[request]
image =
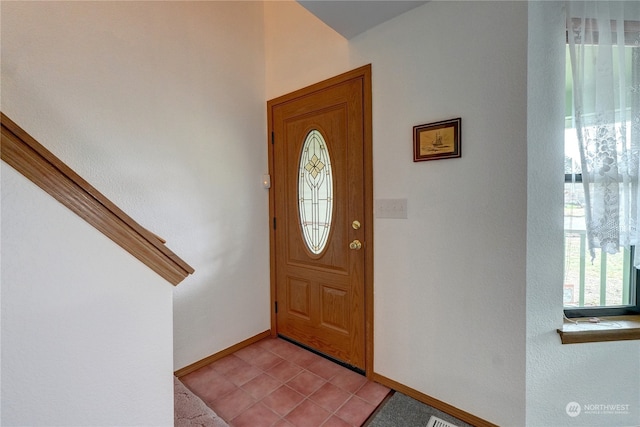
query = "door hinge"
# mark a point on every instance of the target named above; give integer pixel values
(274, 222)
(276, 306)
(273, 137)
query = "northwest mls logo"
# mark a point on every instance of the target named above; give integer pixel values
(573, 409)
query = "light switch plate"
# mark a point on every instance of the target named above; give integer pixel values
(391, 208)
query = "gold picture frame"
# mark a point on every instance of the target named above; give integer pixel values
(439, 140)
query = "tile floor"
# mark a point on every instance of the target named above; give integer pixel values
(276, 383)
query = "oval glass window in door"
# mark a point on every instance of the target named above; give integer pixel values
(315, 192)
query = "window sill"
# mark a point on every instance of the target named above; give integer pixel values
(615, 328)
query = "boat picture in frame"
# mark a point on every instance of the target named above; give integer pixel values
(439, 140)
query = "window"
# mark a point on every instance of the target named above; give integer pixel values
(597, 283)
(315, 192)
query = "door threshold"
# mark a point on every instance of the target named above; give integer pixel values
(319, 353)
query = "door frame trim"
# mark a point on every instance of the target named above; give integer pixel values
(363, 73)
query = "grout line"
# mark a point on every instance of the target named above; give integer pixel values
(305, 396)
(378, 408)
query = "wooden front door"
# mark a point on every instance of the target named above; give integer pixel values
(320, 201)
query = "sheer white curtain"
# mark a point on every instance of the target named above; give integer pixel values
(605, 64)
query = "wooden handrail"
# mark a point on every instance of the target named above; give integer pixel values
(39, 165)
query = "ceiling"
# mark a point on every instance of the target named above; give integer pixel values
(350, 18)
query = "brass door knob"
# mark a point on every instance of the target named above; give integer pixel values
(355, 245)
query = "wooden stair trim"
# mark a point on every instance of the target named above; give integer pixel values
(26, 155)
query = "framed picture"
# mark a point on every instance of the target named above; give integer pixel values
(439, 140)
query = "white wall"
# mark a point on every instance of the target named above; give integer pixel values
(161, 106)
(605, 373)
(300, 49)
(449, 280)
(87, 340)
